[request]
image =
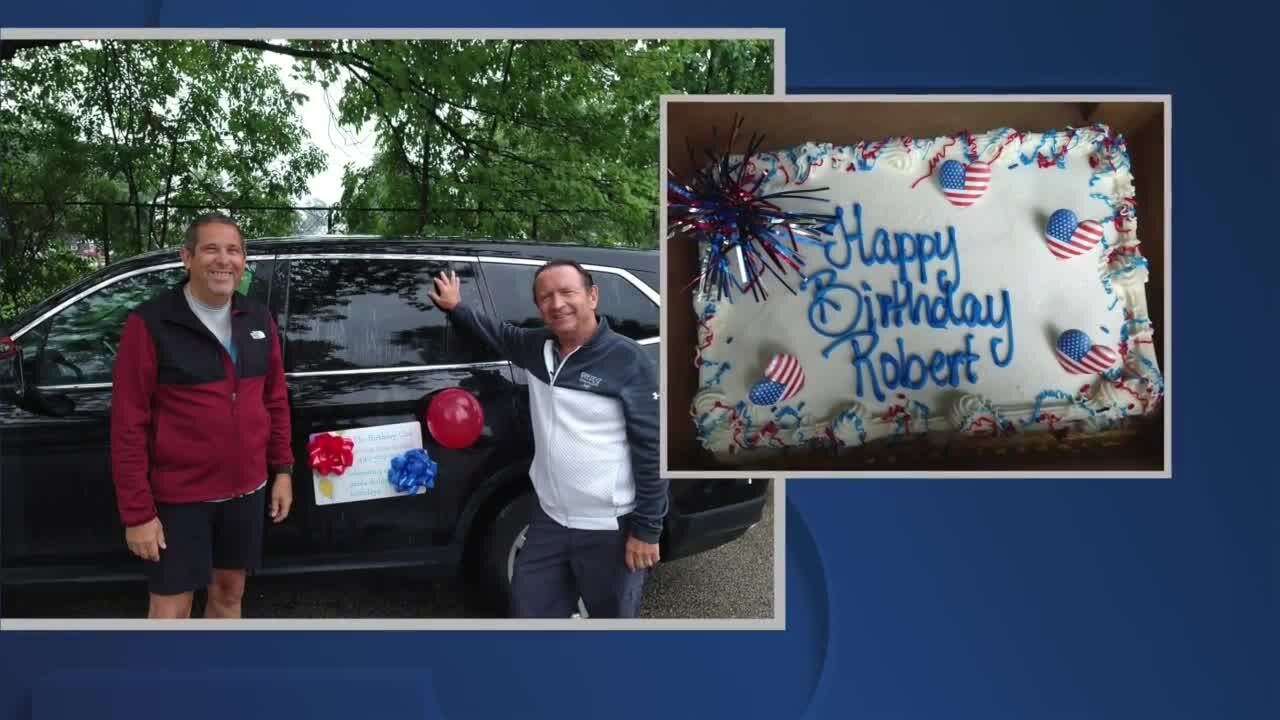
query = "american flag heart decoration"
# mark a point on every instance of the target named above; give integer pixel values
(964, 184)
(783, 378)
(1078, 355)
(1068, 237)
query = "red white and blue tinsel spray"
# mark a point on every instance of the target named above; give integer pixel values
(745, 233)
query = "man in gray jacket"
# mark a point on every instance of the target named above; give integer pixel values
(593, 398)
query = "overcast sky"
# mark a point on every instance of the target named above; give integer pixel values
(341, 145)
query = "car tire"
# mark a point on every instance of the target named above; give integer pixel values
(506, 537)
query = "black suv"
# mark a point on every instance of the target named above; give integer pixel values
(363, 346)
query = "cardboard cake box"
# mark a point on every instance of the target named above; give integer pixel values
(1138, 447)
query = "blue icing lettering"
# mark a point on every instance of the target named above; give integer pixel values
(910, 371)
(900, 248)
(853, 316)
(904, 304)
(846, 235)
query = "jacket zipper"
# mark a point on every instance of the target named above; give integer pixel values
(235, 392)
(555, 484)
(235, 386)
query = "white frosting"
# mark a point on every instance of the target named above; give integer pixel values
(849, 425)
(1106, 396)
(1001, 248)
(898, 158)
(966, 410)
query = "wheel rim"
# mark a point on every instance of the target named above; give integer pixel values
(516, 545)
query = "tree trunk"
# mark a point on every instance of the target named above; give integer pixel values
(493, 128)
(424, 185)
(168, 188)
(106, 235)
(10, 241)
(126, 163)
(506, 80)
(137, 220)
(711, 67)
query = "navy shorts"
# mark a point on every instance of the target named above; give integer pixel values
(203, 536)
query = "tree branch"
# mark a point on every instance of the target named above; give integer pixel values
(469, 145)
(506, 80)
(283, 49)
(397, 133)
(127, 165)
(350, 59)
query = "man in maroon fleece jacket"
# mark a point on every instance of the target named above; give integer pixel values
(199, 420)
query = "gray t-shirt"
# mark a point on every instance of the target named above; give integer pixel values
(217, 319)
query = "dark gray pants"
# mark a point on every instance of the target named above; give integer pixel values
(557, 565)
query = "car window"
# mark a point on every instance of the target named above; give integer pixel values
(463, 346)
(81, 341)
(511, 290)
(630, 312)
(346, 314)
(649, 278)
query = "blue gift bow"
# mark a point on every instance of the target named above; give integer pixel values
(411, 470)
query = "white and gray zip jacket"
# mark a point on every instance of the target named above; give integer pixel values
(595, 425)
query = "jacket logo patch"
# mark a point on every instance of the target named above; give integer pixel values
(257, 334)
(589, 380)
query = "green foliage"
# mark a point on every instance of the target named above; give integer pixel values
(30, 279)
(140, 123)
(505, 139)
(512, 138)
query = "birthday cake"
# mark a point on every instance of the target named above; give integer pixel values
(966, 286)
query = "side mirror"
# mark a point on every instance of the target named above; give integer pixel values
(25, 395)
(11, 352)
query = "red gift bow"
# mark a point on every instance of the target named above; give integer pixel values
(330, 454)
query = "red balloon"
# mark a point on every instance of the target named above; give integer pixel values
(455, 418)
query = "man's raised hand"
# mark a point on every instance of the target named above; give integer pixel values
(448, 292)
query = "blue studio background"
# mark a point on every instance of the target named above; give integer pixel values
(907, 598)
